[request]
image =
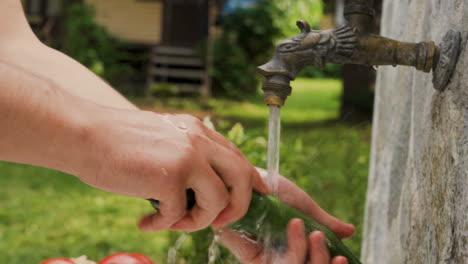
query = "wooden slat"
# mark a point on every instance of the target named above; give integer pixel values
(178, 73)
(164, 50)
(179, 61)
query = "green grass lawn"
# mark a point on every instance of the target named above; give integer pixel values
(47, 214)
(310, 101)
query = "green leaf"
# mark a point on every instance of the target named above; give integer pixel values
(236, 134)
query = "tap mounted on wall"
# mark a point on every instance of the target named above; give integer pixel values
(353, 43)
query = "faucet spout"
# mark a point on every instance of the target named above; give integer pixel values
(353, 43)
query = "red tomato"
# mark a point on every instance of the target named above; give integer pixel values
(58, 261)
(126, 258)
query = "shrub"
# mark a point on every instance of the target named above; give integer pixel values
(91, 45)
(247, 41)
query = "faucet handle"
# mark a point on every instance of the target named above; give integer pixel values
(303, 26)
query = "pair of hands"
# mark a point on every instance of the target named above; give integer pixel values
(161, 156)
(302, 247)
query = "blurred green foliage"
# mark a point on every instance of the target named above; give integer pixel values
(160, 90)
(91, 45)
(329, 71)
(248, 40)
(288, 12)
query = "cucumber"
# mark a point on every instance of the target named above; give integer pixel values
(268, 217)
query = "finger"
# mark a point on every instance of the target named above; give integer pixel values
(259, 184)
(246, 250)
(260, 181)
(297, 242)
(238, 175)
(302, 202)
(263, 180)
(318, 251)
(220, 139)
(230, 213)
(339, 260)
(170, 211)
(211, 198)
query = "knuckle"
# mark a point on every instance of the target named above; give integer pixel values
(223, 200)
(199, 139)
(240, 208)
(182, 160)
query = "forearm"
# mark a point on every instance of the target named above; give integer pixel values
(41, 124)
(20, 47)
(65, 72)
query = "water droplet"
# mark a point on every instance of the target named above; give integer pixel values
(164, 171)
(181, 126)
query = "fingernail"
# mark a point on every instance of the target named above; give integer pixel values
(343, 260)
(319, 235)
(300, 224)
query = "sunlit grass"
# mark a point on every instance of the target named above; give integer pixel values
(312, 100)
(48, 214)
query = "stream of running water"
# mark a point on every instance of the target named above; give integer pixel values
(274, 132)
(172, 255)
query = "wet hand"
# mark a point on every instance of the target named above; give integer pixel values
(250, 251)
(155, 156)
(302, 249)
(290, 194)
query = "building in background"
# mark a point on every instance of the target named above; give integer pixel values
(174, 32)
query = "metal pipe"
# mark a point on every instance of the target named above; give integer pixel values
(353, 43)
(360, 14)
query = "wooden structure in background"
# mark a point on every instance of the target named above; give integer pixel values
(179, 58)
(131, 20)
(174, 32)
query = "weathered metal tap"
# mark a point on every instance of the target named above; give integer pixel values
(353, 43)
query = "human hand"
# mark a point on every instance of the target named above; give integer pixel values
(159, 156)
(301, 249)
(251, 252)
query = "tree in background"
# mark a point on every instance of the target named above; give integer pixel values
(291, 11)
(357, 100)
(249, 38)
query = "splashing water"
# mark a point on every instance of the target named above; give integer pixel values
(172, 255)
(213, 250)
(274, 132)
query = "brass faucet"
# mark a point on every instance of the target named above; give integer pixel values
(353, 43)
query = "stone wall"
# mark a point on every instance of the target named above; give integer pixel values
(417, 202)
